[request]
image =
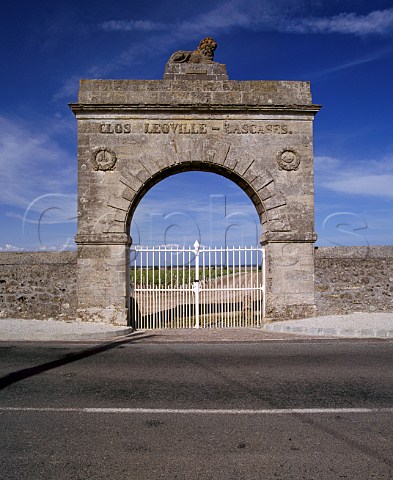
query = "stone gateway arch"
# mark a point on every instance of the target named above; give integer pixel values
(134, 133)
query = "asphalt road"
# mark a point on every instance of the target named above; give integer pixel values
(319, 409)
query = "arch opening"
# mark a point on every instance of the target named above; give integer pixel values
(195, 259)
(217, 170)
(195, 205)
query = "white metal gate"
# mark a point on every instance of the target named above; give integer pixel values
(178, 287)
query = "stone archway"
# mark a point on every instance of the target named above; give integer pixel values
(262, 187)
(134, 133)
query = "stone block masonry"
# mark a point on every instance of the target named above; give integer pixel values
(347, 279)
(134, 133)
(353, 279)
(38, 285)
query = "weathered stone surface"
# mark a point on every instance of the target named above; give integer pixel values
(353, 279)
(289, 280)
(195, 71)
(289, 94)
(256, 133)
(38, 285)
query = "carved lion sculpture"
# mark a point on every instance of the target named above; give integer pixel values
(203, 54)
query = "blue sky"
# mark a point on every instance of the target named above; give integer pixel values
(345, 48)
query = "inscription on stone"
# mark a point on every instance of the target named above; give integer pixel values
(115, 128)
(185, 128)
(196, 128)
(254, 128)
(227, 128)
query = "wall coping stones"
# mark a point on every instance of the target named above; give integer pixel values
(37, 258)
(122, 94)
(353, 252)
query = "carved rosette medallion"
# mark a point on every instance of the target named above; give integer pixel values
(103, 159)
(288, 159)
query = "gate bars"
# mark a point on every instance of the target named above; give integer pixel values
(193, 287)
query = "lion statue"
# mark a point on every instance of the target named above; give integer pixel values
(203, 54)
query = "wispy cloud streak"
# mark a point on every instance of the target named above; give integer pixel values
(261, 16)
(379, 22)
(132, 26)
(372, 178)
(372, 57)
(32, 164)
(160, 38)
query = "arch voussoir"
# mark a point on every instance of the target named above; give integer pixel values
(215, 151)
(263, 179)
(128, 194)
(266, 192)
(129, 179)
(276, 200)
(118, 203)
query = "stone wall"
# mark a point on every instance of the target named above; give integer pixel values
(353, 279)
(347, 279)
(38, 285)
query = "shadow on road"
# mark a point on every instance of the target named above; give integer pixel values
(14, 377)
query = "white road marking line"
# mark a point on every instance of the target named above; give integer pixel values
(199, 411)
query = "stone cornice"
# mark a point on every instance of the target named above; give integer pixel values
(288, 237)
(192, 108)
(103, 239)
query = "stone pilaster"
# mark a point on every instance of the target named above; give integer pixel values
(102, 278)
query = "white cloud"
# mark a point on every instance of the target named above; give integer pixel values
(32, 165)
(367, 178)
(279, 15)
(69, 90)
(266, 16)
(131, 25)
(161, 38)
(11, 248)
(230, 14)
(378, 22)
(376, 55)
(375, 185)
